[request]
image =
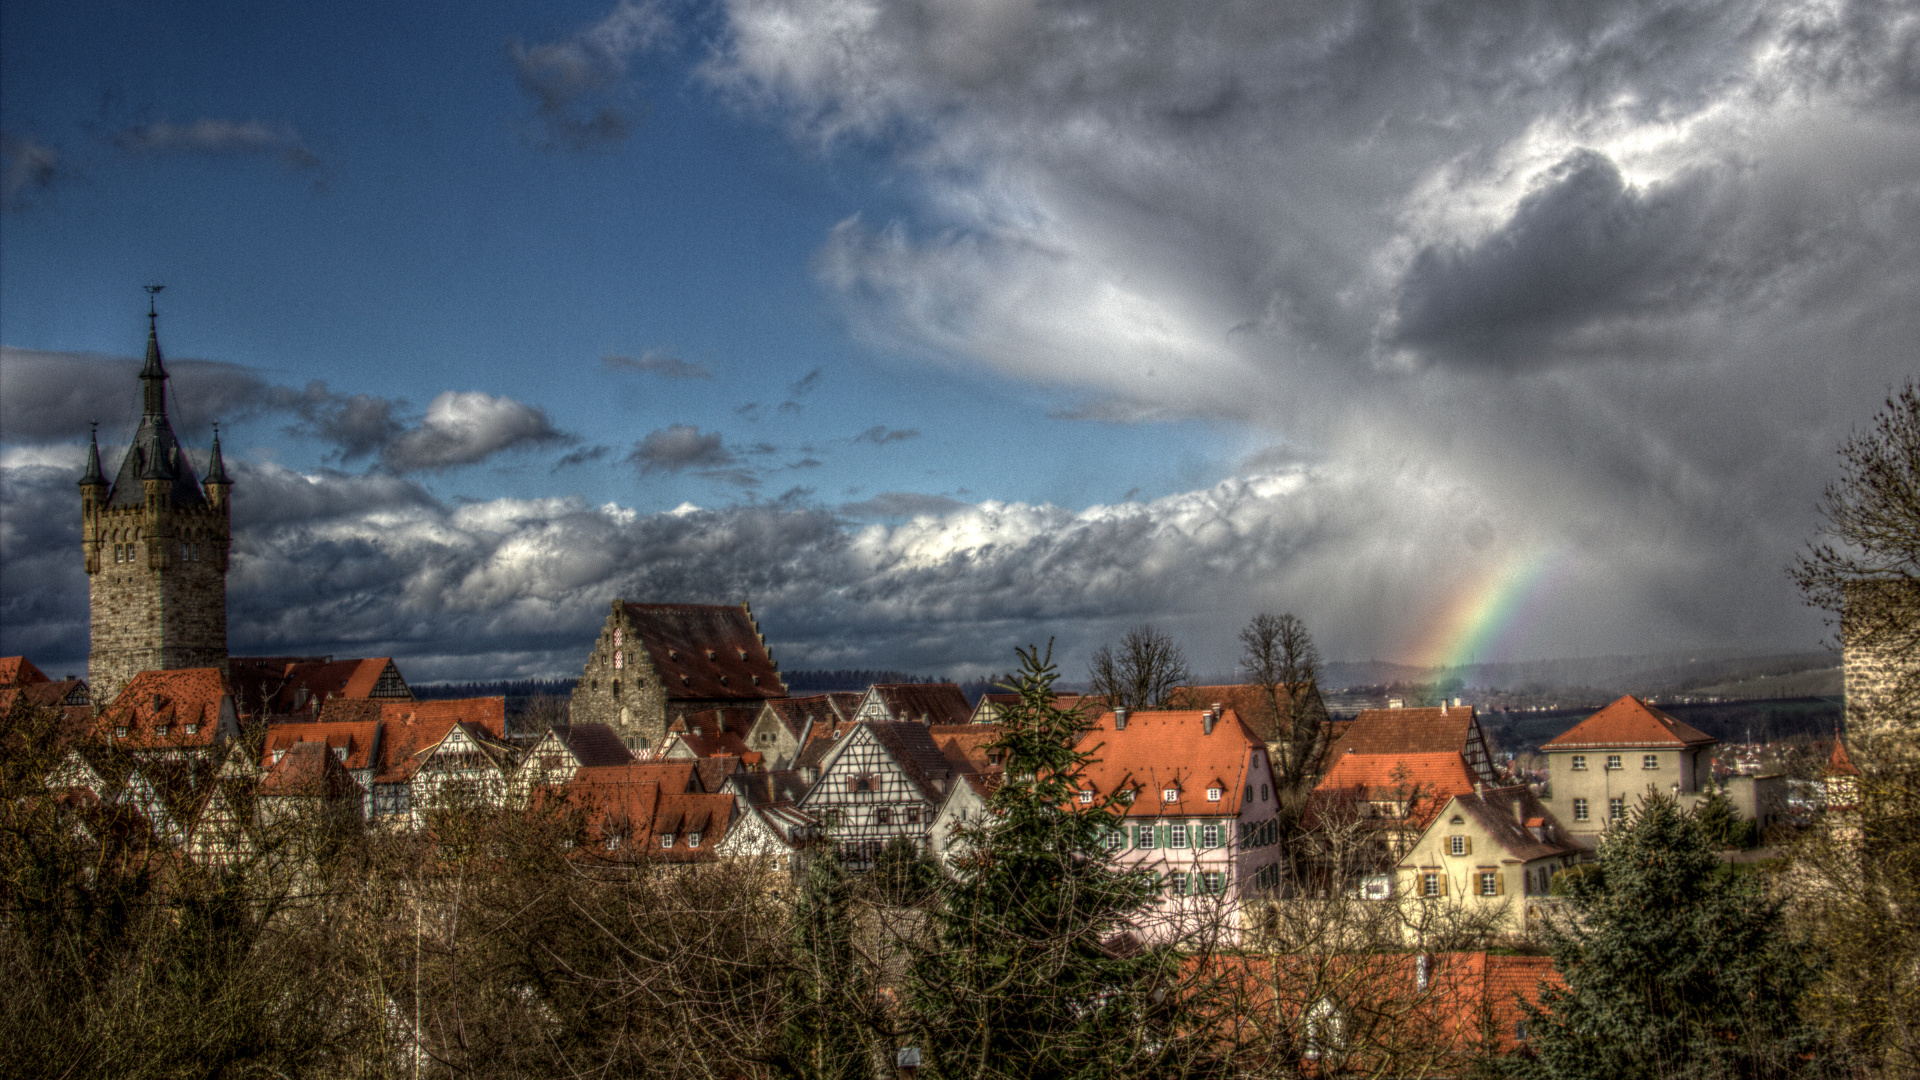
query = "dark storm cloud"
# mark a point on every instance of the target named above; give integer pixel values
(579, 86)
(892, 504)
(54, 396)
(659, 362)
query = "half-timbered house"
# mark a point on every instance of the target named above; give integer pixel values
(922, 703)
(880, 782)
(780, 729)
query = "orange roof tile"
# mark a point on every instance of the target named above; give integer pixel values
(310, 770)
(156, 708)
(924, 703)
(706, 651)
(1248, 700)
(1429, 781)
(358, 738)
(1162, 751)
(966, 744)
(19, 671)
(1629, 722)
(1838, 763)
(1439, 730)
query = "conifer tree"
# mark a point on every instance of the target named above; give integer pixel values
(1030, 972)
(1674, 968)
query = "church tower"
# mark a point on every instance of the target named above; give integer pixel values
(155, 541)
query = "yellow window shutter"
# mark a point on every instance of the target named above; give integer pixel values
(1468, 841)
(1499, 883)
(1443, 883)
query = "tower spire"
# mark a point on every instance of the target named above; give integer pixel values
(216, 467)
(94, 477)
(153, 377)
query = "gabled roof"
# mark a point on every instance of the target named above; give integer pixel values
(990, 706)
(593, 744)
(715, 769)
(670, 775)
(795, 713)
(156, 707)
(1838, 763)
(1503, 813)
(310, 770)
(406, 730)
(1249, 702)
(19, 671)
(1440, 730)
(1629, 722)
(925, 703)
(911, 748)
(965, 744)
(1426, 781)
(724, 743)
(820, 742)
(358, 738)
(772, 788)
(1165, 750)
(305, 685)
(706, 651)
(734, 719)
(642, 803)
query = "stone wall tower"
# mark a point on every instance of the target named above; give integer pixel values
(155, 541)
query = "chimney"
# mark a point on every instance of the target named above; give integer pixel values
(1420, 972)
(1479, 788)
(1120, 718)
(1210, 718)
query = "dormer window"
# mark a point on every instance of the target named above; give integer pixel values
(1171, 794)
(666, 839)
(693, 839)
(1214, 794)
(743, 654)
(1086, 796)
(194, 729)
(756, 680)
(120, 732)
(277, 755)
(711, 655)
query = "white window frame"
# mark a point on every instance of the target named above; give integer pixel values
(1177, 835)
(693, 839)
(666, 839)
(1580, 811)
(1489, 883)
(1171, 794)
(1210, 836)
(1086, 796)
(1613, 763)
(1579, 763)
(1617, 808)
(1649, 761)
(1456, 845)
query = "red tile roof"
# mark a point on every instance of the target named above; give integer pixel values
(357, 738)
(795, 713)
(19, 671)
(310, 770)
(156, 708)
(1428, 781)
(924, 703)
(728, 743)
(705, 651)
(966, 744)
(306, 685)
(1248, 700)
(396, 734)
(1159, 751)
(594, 744)
(1629, 722)
(642, 804)
(1838, 763)
(1440, 730)
(737, 719)
(670, 775)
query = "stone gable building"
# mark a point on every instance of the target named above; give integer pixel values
(657, 663)
(155, 540)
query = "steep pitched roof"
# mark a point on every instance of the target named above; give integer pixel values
(965, 744)
(990, 706)
(1165, 750)
(156, 708)
(1428, 781)
(925, 703)
(359, 738)
(594, 744)
(715, 770)
(305, 684)
(771, 788)
(310, 770)
(1441, 730)
(1838, 763)
(19, 671)
(1629, 722)
(912, 748)
(409, 730)
(796, 713)
(1504, 814)
(1249, 702)
(723, 743)
(729, 719)
(706, 651)
(820, 742)
(669, 775)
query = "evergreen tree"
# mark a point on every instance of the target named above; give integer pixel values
(1030, 972)
(832, 998)
(1674, 968)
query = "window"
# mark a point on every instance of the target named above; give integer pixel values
(1086, 796)
(1616, 808)
(882, 815)
(1177, 884)
(693, 839)
(913, 815)
(1613, 761)
(120, 732)
(1213, 882)
(613, 843)
(1249, 792)
(1489, 882)
(1650, 761)
(1143, 836)
(1456, 845)
(194, 729)
(1263, 793)
(1209, 836)
(1213, 794)
(619, 660)
(1177, 836)
(618, 635)
(666, 839)
(1579, 809)
(1430, 884)
(1171, 794)
(1116, 839)
(1579, 763)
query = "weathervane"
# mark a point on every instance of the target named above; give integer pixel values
(152, 291)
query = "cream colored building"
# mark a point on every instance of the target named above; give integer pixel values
(1494, 850)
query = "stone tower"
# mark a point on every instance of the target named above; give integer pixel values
(155, 541)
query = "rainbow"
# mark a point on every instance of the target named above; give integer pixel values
(1488, 616)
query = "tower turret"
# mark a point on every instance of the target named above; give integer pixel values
(155, 544)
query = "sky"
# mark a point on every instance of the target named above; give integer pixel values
(1466, 331)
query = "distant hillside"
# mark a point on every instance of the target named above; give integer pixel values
(1581, 678)
(1728, 721)
(1821, 682)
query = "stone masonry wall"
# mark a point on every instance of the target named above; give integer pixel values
(1880, 640)
(157, 611)
(630, 697)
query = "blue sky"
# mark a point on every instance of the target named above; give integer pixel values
(994, 321)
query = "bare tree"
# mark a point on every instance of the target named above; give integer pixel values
(1279, 657)
(1142, 673)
